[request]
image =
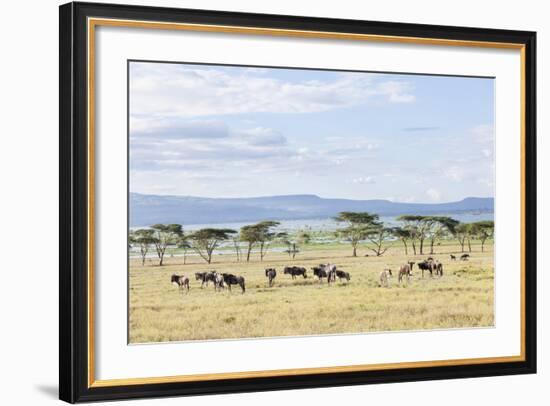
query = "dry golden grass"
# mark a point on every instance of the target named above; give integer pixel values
(463, 297)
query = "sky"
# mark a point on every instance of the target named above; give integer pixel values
(227, 131)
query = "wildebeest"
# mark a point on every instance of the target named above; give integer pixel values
(464, 257)
(206, 277)
(319, 272)
(343, 275)
(405, 271)
(453, 257)
(325, 271)
(385, 276)
(230, 279)
(181, 281)
(330, 270)
(294, 271)
(270, 273)
(426, 266)
(438, 268)
(219, 282)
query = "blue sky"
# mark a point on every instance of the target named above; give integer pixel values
(219, 131)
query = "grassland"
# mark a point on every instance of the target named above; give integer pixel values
(158, 312)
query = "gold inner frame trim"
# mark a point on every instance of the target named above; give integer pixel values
(94, 22)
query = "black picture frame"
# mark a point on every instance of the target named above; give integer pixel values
(74, 200)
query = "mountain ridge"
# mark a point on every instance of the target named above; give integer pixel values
(148, 209)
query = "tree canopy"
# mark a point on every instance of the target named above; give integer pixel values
(164, 235)
(205, 240)
(360, 224)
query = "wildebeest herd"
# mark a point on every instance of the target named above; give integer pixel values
(431, 265)
(323, 271)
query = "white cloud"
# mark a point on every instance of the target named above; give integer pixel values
(487, 153)
(191, 91)
(263, 136)
(433, 194)
(363, 180)
(455, 173)
(176, 128)
(484, 134)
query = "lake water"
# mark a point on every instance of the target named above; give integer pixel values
(310, 225)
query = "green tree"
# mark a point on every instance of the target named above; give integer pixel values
(419, 226)
(439, 227)
(292, 248)
(378, 235)
(403, 235)
(358, 226)
(143, 238)
(483, 230)
(205, 240)
(250, 235)
(184, 244)
(261, 234)
(237, 247)
(266, 234)
(164, 235)
(462, 233)
(302, 237)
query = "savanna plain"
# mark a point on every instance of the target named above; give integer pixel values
(160, 312)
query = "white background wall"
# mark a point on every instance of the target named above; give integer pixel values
(29, 188)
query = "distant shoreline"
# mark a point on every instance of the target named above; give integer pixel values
(311, 223)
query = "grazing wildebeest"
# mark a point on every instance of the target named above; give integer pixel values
(453, 257)
(426, 266)
(199, 276)
(464, 257)
(385, 276)
(206, 277)
(230, 279)
(438, 268)
(319, 272)
(294, 271)
(219, 282)
(343, 275)
(270, 273)
(330, 269)
(405, 271)
(181, 281)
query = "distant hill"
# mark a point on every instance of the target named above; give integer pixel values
(151, 209)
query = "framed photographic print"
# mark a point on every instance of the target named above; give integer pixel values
(259, 202)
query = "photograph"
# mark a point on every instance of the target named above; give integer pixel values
(285, 201)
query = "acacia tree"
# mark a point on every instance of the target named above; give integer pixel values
(237, 247)
(462, 233)
(483, 230)
(378, 235)
(260, 233)
(143, 238)
(266, 235)
(183, 243)
(205, 240)
(292, 242)
(358, 227)
(403, 235)
(420, 227)
(250, 235)
(164, 235)
(439, 225)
